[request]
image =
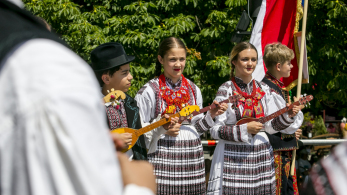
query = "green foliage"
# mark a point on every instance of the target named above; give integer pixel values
(327, 56)
(308, 120)
(319, 127)
(204, 25)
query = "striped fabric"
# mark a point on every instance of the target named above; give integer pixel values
(178, 161)
(179, 167)
(201, 126)
(248, 169)
(116, 118)
(243, 164)
(230, 134)
(280, 123)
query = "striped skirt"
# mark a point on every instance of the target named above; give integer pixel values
(179, 165)
(243, 168)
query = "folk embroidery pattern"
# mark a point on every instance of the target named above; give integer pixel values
(251, 102)
(174, 99)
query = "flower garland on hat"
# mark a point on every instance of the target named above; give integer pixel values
(174, 99)
(250, 101)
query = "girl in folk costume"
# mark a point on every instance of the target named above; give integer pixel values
(175, 150)
(243, 161)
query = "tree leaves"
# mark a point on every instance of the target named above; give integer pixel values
(234, 3)
(337, 9)
(327, 56)
(206, 27)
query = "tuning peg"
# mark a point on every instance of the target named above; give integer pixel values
(301, 96)
(112, 89)
(108, 91)
(305, 94)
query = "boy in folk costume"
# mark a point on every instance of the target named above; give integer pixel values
(111, 66)
(277, 59)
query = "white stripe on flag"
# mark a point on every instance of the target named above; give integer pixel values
(305, 64)
(259, 72)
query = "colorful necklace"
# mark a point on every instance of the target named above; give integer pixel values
(244, 94)
(174, 99)
(250, 102)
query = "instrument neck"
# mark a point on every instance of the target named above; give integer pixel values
(156, 124)
(213, 106)
(278, 113)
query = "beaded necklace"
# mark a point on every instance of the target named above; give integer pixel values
(174, 99)
(250, 101)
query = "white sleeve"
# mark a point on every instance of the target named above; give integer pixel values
(146, 103)
(67, 148)
(225, 127)
(201, 122)
(282, 123)
(297, 119)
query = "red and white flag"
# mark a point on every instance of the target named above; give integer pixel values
(276, 22)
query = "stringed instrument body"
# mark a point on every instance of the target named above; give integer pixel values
(263, 120)
(186, 113)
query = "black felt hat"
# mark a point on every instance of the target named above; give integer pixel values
(109, 55)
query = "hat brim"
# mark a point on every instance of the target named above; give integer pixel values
(130, 59)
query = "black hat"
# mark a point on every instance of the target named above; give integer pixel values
(109, 55)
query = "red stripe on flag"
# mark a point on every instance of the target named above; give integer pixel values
(278, 26)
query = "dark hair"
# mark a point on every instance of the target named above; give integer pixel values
(234, 54)
(164, 47)
(110, 72)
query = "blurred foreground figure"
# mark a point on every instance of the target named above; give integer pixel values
(329, 176)
(54, 138)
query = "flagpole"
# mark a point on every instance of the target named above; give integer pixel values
(301, 60)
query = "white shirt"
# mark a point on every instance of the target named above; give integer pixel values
(53, 136)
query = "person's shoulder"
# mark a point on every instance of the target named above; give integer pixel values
(191, 83)
(128, 97)
(51, 60)
(224, 90)
(226, 85)
(152, 86)
(130, 101)
(263, 85)
(41, 52)
(44, 45)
